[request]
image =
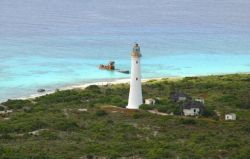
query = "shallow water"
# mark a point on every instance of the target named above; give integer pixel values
(51, 44)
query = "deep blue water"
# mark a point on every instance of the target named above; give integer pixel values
(54, 43)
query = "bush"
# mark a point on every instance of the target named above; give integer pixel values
(177, 110)
(1, 108)
(48, 135)
(4, 128)
(166, 106)
(100, 113)
(208, 112)
(146, 107)
(246, 128)
(72, 96)
(136, 115)
(17, 104)
(37, 124)
(163, 109)
(93, 89)
(118, 101)
(188, 121)
(169, 109)
(6, 137)
(66, 125)
(162, 102)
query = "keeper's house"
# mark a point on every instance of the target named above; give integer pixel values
(192, 108)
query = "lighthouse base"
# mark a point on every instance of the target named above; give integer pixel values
(132, 107)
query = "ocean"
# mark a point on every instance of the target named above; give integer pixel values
(55, 43)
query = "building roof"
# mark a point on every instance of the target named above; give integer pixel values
(176, 95)
(230, 114)
(192, 104)
(200, 98)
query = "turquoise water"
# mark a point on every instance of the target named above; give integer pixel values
(51, 44)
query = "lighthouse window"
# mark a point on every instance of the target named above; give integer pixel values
(136, 62)
(136, 79)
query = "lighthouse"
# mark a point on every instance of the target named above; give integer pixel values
(135, 92)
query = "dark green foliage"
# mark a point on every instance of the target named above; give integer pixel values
(118, 101)
(49, 135)
(136, 115)
(162, 108)
(68, 96)
(17, 104)
(246, 128)
(93, 89)
(6, 136)
(112, 100)
(168, 107)
(208, 112)
(188, 121)
(147, 107)
(22, 125)
(65, 125)
(4, 128)
(100, 113)
(2, 108)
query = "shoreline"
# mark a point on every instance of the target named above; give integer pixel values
(99, 83)
(106, 81)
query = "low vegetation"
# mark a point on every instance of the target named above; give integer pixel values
(108, 130)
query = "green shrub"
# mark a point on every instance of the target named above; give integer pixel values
(6, 136)
(48, 135)
(146, 107)
(4, 128)
(170, 108)
(93, 89)
(90, 157)
(118, 101)
(66, 125)
(2, 108)
(167, 106)
(177, 110)
(246, 128)
(188, 121)
(136, 115)
(162, 102)
(100, 112)
(208, 112)
(17, 104)
(37, 124)
(163, 109)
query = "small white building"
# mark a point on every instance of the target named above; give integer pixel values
(200, 100)
(230, 116)
(192, 108)
(150, 101)
(191, 111)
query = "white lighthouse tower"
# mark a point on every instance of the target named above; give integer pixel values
(135, 93)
